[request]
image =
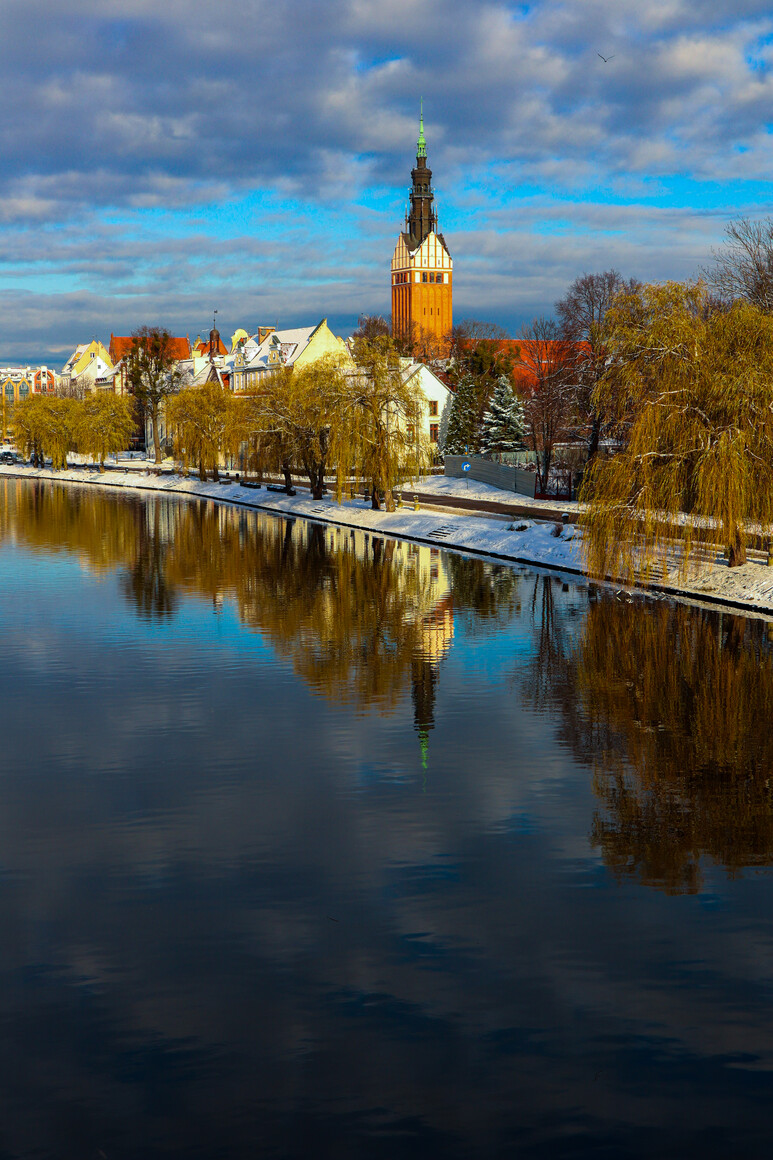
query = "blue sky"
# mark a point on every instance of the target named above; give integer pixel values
(158, 161)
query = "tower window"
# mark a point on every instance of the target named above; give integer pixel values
(424, 277)
(433, 406)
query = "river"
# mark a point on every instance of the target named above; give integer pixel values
(318, 844)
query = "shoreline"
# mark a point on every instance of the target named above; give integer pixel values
(748, 589)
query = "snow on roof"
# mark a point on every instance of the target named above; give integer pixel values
(292, 342)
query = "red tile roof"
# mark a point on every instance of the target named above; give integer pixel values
(202, 347)
(121, 345)
(528, 353)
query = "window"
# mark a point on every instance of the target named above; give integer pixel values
(434, 431)
(424, 277)
(433, 406)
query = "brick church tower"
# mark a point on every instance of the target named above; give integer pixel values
(422, 270)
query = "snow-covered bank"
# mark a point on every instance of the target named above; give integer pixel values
(447, 485)
(523, 541)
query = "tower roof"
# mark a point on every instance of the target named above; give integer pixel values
(421, 144)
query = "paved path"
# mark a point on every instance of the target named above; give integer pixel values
(532, 510)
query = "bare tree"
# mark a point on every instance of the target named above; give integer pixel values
(581, 314)
(152, 374)
(471, 337)
(72, 388)
(370, 326)
(549, 376)
(743, 267)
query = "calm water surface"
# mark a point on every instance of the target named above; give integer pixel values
(315, 844)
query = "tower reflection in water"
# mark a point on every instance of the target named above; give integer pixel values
(668, 705)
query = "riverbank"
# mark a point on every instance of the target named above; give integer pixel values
(523, 541)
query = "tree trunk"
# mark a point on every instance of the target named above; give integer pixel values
(389, 500)
(595, 437)
(317, 480)
(544, 474)
(736, 550)
(202, 472)
(374, 500)
(215, 472)
(156, 440)
(287, 473)
(101, 465)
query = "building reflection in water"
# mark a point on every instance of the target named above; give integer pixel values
(359, 616)
(669, 706)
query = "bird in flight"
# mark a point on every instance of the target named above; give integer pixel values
(606, 59)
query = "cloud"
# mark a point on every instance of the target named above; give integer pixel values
(129, 112)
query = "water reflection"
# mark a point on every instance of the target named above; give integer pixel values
(357, 616)
(235, 922)
(671, 707)
(667, 705)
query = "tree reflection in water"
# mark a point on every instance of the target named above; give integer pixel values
(358, 616)
(671, 706)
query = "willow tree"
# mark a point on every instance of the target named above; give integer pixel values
(380, 422)
(28, 427)
(692, 393)
(45, 425)
(103, 423)
(298, 412)
(201, 419)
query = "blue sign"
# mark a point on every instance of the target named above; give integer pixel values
(465, 466)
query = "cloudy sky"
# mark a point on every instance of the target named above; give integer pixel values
(161, 160)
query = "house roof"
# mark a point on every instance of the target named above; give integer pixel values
(207, 373)
(409, 369)
(202, 347)
(120, 345)
(292, 343)
(78, 362)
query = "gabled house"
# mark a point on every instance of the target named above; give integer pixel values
(87, 363)
(269, 349)
(438, 393)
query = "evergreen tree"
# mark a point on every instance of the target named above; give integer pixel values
(503, 423)
(462, 433)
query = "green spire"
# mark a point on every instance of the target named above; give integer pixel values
(421, 144)
(424, 744)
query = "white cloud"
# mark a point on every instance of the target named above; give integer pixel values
(128, 107)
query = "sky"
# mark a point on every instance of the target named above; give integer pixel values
(162, 161)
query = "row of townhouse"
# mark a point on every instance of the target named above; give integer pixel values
(240, 368)
(19, 382)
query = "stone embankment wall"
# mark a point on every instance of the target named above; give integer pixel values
(497, 474)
